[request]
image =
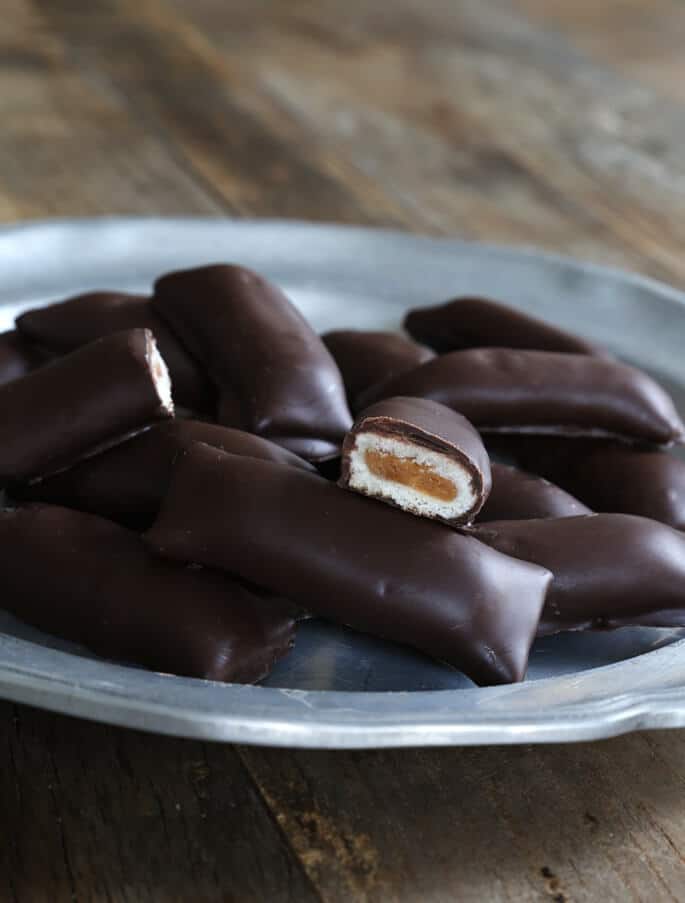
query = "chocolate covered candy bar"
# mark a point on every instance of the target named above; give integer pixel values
(540, 392)
(354, 561)
(648, 483)
(612, 478)
(90, 399)
(480, 323)
(127, 482)
(274, 374)
(67, 325)
(368, 358)
(18, 357)
(610, 570)
(420, 456)
(517, 495)
(92, 582)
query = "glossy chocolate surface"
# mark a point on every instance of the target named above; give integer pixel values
(613, 478)
(91, 398)
(651, 484)
(127, 482)
(368, 358)
(504, 390)
(354, 560)
(90, 581)
(610, 570)
(431, 426)
(274, 375)
(480, 323)
(18, 357)
(518, 495)
(67, 325)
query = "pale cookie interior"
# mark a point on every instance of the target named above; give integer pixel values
(422, 481)
(160, 375)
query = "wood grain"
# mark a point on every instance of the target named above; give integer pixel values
(482, 122)
(92, 813)
(69, 145)
(544, 122)
(522, 823)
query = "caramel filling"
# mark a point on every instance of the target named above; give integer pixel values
(409, 473)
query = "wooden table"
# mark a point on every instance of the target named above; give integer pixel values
(559, 123)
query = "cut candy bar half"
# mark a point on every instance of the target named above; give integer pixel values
(420, 456)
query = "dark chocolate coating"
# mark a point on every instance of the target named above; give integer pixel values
(432, 426)
(366, 359)
(480, 323)
(67, 325)
(331, 469)
(274, 374)
(614, 478)
(353, 560)
(610, 570)
(18, 357)
(89, 399)
(648, 483)
(528, 451)
(92, 582)
(517, 495)
(127, 482)
(504, 390)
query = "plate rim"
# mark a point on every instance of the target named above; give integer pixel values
(132, 697)
(504, 249)
(291, 718)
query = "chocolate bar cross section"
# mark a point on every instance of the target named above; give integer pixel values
(67, 325)
(420, 456)
(88, 400)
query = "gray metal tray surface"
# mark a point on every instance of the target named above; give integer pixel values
(339, 688)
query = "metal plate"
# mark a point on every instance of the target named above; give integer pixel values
(339, 688)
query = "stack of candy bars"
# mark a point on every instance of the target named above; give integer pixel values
(344, 476)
